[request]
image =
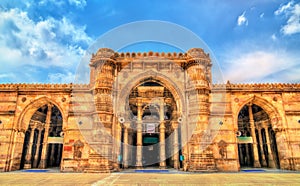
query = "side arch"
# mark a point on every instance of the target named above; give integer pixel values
(277, 125)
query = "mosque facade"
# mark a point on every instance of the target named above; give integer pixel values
(158, 110)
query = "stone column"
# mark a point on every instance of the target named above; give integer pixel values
(117, 145)
(252, 127)
(125, 145)
(139, 136)
(263, 159)
(40, 128)
(162, 130)
(176, 154)
(28, 156)
(43, 162)
(162, 149)
(270, 155)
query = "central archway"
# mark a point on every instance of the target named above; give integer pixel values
(151, 133)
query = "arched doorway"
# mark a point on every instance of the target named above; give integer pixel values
(151, 137)
(42, 147)
(257, 142)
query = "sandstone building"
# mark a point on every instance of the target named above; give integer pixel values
(149, 109)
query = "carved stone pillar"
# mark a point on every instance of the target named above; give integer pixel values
(162, 149)
(139, 144)
(40, 128)
(139, 136)
(270, 154)
(43, 162)
(28, 157)
(125, 146)
(252, 127)
(162, 130)
(263, 159)
(176, 149)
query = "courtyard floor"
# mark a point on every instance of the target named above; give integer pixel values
(130, 178)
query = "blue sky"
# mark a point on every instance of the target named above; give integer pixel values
(252, 40)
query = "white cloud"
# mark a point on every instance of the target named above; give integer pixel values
(284, 8)
(256, 66)
(273, 37)
(290, 75)
(261, 15)
(67, 77)
(62, 3)
(293, 23)
(242, 20)
(292, 12)
(78, 3)
(58, 3)
(45, 43)
(7, 75)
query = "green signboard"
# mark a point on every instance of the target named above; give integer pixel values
(243, 139)
(150, 140)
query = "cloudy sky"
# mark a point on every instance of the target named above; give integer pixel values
(253, 41)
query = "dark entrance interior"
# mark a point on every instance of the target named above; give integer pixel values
(150, 150)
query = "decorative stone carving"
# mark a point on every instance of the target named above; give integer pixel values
(222, 149)
(78, 146)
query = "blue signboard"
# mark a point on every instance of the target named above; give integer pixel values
(181, 157)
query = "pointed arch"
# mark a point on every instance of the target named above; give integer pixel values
(163, 79)
(32, 107)
(268, 107)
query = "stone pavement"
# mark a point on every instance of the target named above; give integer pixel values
(52, 178)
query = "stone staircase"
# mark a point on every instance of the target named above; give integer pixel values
(98, 164)
(202, 162)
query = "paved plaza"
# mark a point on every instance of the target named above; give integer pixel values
(131, 178)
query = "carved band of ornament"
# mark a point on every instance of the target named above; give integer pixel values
(21, 86)
(96, 60)
(197, 62)
(81, 86)
(268, 86)
(103, 91)
(100, 62)
(203, 91)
